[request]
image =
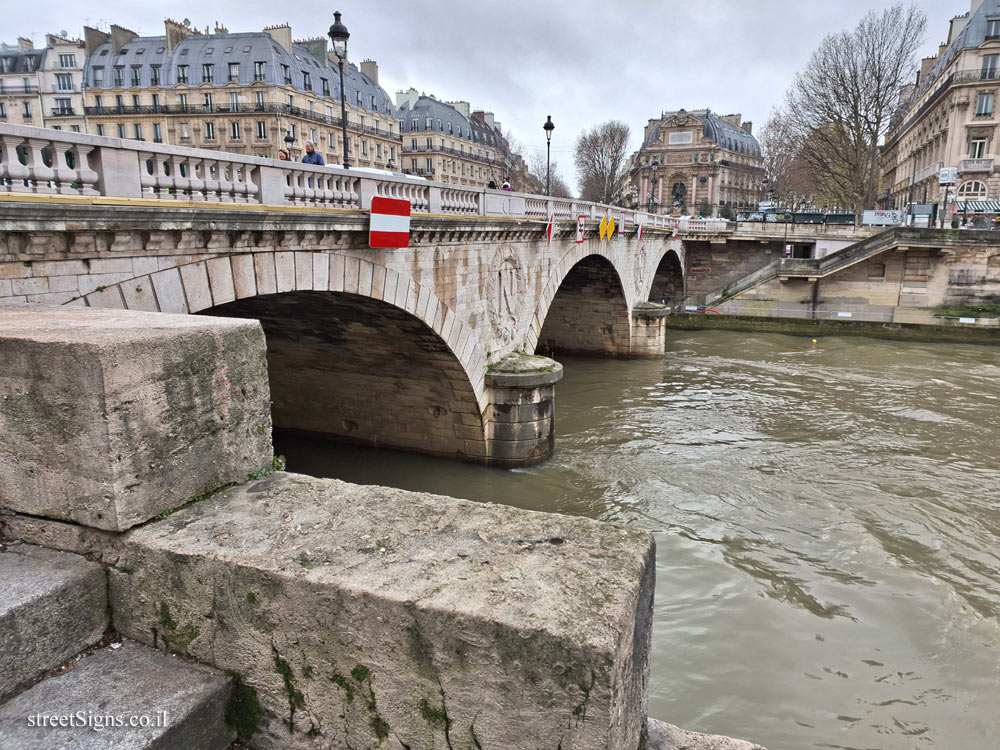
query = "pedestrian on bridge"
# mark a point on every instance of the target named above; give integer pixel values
(282, 155)
(312, 156)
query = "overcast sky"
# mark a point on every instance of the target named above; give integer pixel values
(580, 61)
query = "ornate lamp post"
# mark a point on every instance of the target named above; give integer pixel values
(289, 140)
(339, 35)
(548, 127)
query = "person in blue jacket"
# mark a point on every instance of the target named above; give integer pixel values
(312, 156)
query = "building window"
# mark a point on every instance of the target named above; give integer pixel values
(134, 78)
(157, 133)
(312, 135)
(259, 99)
(156, 102)
(135, 102)
(234, 102)
(413, 144)
(259, 69)
(234, 130)
(261, 129)
(306, 81)
(973, 190)
(234, 71)
(413, 124)
(990, 66)
(291, 100)
(430, 143)
(182, 100)
(209, 104)
(26, 110)
(326, 86)
(67, 61)
(119, 102)
(430, 167)
(207, 73)
(364, 148)
(137, 131)
(332, 142)
(100, 130)
(121, 130)
(977, 148)
(119, 75)
(378, 150)
(64, 81)
(286, 74)
(154, 75)
(182, 73)
(984, 105)
(64, 106)
(185, 132)
(993, 28)
(209, 131)
(99, 77)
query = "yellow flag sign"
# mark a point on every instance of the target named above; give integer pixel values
(607, 228)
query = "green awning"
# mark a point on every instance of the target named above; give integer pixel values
(979, 207)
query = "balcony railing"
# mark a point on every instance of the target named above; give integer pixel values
(197, 109)
(454, 152)
(63, 112)
(15, 90)
(976, 165)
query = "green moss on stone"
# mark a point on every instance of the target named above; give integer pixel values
(360, 673)
(243, 712)
(340, 681)
(251, 597)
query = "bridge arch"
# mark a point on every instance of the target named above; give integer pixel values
(667, 285)
(583, 308)
(356, 351)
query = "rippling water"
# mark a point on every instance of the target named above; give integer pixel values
(827, 519)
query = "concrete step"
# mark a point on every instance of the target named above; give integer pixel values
(54, 604)
(663, 736)
(94, 705)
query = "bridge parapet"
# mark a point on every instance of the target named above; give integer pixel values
(75, 165)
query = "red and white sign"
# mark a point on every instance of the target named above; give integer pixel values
(581, 222)
(390, 223)
(621, 226)
(549, 227)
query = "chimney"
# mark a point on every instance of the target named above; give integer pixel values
(220, 29)
(941, 48)
(120, 36)
(92, 39)
(925, 67)
(370, 69)
(24, 44)
(407, 98)
(176, 33)
(282, 35)
(488, 119)
(462, 107)
(748, 126)
(316, 47)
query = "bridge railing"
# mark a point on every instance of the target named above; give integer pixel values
(45, 161)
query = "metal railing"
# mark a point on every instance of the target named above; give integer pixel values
(45, 161)
(63, 112)
(214, 109)
(765, 310)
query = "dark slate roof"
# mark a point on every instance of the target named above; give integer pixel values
(972, 35)
(484, 134)
(15, 61)
(444, 118)
(727, 135)
(244, 48)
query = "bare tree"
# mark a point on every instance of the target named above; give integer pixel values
(600, 161)
(839, 107)
(536, 177)
(791, 180)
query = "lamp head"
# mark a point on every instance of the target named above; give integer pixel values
(339, 35)
(548, 127)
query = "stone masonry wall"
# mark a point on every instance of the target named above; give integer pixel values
(711, 266)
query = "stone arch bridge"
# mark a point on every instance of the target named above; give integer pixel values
(427, 348)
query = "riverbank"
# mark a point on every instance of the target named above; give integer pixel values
(954, 334)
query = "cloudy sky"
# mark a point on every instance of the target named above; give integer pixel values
(580, 61)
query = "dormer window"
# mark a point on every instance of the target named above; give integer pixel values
(992, 28)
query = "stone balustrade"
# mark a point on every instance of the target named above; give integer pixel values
(38, 160)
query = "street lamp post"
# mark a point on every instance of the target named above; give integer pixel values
(339, 35)
(652, 185)
(548, 127)
(289, 140)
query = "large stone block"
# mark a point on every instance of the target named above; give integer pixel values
(130, 698)
(53, 605)
(360, 614)
(109, 417)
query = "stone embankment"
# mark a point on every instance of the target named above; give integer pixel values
(142, 512)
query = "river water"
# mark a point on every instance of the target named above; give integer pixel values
(827, 520)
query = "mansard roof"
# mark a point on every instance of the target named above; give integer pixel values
(246, 49)
(725, 134)
(441, 116)
(15, 61)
